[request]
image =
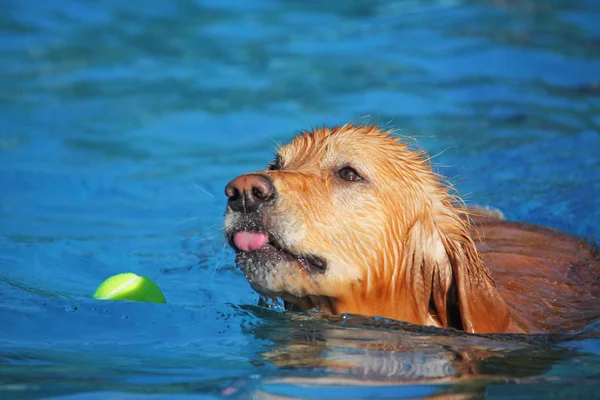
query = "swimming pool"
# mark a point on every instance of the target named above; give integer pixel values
(121, 124)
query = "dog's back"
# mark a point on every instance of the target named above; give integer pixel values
(538, 269)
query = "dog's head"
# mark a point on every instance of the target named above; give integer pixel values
(351, 220)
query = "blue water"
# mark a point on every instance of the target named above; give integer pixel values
(121, 122)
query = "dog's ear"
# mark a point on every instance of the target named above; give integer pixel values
(463, 294)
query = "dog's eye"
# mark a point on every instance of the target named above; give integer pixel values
(349, 174)
(275, 164)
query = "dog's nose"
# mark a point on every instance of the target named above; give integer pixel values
(248, 192)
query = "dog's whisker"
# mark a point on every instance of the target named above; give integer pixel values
(205, 239)
(212, 276)
(201, 188)
(218, 263)
(202, 239)
(185, 221)
(221, 228)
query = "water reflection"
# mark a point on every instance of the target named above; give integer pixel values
(318, 350)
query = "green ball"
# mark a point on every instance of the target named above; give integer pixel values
(129, 286)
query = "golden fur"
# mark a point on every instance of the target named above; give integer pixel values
(397, 243)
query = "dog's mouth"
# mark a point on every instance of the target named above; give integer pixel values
(267, 247)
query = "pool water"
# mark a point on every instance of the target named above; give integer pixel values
(121, 122)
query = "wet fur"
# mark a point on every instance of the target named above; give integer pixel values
(399, 245)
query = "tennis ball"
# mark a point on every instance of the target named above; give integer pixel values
(129, 286)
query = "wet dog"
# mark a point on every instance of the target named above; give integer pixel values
(353, 220)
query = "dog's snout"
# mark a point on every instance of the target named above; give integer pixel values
(248, 192)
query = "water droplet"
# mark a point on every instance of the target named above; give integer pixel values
(124, 316)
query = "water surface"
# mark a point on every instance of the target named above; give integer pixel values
(121, 122)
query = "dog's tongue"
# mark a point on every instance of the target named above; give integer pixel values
(249, 241)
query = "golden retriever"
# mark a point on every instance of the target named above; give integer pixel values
(352, 220)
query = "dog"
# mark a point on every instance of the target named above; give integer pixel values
(353, 220)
